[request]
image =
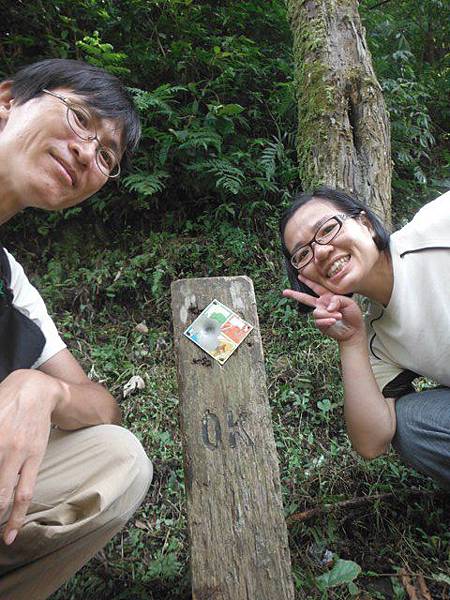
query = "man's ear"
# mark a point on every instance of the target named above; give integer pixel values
(6, 101)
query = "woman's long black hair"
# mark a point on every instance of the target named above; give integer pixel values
(345, 203)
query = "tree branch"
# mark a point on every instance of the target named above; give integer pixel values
(379, 4)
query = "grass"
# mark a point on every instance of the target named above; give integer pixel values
(100, 291)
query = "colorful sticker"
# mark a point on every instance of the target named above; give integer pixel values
(218, 331)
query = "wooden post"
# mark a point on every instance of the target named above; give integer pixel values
(239, 547)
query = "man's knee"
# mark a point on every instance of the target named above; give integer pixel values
(123, 469)
(116, 473)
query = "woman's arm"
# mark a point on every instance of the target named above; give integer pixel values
(370, 417)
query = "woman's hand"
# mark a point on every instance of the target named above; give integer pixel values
(336, 316)
(370, 417)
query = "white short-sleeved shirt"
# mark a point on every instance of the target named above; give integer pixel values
(28, 301)
(411, 335)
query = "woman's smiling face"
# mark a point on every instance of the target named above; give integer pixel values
(345, 263)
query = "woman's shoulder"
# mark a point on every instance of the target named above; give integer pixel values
(438, 208)
(430, 227)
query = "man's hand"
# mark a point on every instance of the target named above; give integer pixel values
(30, 400)
(27, 399)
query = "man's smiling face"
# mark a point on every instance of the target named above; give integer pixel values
(44, 163)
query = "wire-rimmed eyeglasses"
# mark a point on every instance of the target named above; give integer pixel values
(82, 123)
(323, 236)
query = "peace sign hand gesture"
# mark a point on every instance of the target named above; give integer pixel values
(339, 317)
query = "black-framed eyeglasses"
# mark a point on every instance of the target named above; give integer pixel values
(81, 121)
(323, 236)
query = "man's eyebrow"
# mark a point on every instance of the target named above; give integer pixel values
(106, 139)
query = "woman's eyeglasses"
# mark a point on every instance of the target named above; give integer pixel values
(325, 234)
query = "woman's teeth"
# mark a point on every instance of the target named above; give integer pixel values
(338, 265)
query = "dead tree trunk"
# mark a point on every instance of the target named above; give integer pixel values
(343, 133)
(239, 547)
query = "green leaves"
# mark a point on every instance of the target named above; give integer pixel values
(201, 138)
(228, 177)
(226, 110)
(158, 100)
(442, 577)
(146, 184)
(342, 572)
(409, 44)
(102, 54)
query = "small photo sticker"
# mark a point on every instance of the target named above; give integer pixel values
(218, 331)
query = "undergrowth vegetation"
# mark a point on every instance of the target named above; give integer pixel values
(216, 167)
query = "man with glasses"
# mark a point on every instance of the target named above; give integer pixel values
(82, 122)
(70, 477)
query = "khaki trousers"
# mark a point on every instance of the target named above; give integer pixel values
(90, 483)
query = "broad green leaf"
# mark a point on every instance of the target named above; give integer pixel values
(343, 571)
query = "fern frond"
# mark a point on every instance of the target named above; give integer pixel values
(157, 99)
(228, 177)
(146, 184)
(200, 138)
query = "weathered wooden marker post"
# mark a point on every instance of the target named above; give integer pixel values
(239, 548)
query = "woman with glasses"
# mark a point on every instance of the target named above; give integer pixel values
(335, 246)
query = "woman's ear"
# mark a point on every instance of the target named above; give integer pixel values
(6, 101)
(364, 220)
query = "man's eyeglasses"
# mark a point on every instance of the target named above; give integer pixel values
(82, 123)
(326, 233)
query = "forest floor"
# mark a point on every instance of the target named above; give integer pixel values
(110, 298)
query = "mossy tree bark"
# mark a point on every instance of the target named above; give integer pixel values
(344, 132)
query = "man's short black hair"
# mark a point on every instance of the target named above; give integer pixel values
(104, 92)
(346, 204)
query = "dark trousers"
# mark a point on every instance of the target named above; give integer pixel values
(423, 432)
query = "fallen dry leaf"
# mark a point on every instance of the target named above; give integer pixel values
(134, 383)
(423, 588)
(416, 590)
(142, 327)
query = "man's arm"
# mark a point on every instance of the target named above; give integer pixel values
(30, 400)
(81, 402)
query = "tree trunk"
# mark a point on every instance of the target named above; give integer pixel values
(344, 133)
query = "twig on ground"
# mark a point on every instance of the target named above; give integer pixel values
(352, 503)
